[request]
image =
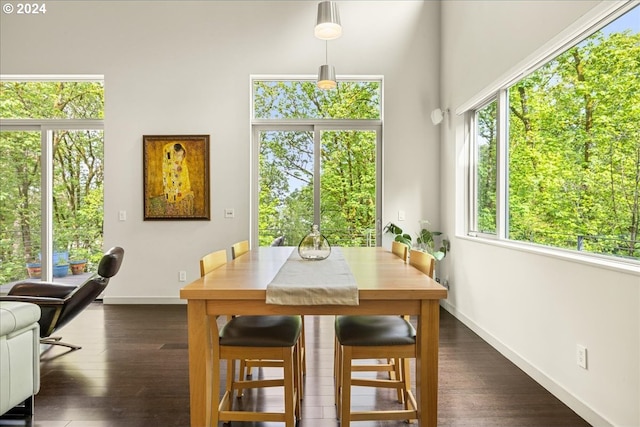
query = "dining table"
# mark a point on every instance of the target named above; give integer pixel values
(386, 285)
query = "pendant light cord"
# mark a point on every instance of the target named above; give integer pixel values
(326, 52)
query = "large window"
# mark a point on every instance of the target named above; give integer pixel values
(556, 155)
(316, 161)
(51, 163)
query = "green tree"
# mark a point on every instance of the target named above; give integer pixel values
(574, 149)
(347, 159)
(77, 172)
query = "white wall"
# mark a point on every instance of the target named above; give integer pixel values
(534, 308)
(181, 67)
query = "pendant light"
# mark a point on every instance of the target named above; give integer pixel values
(327, 73)
(328, 21)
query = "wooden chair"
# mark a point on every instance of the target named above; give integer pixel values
(422, 261)
(265, 337)
(400, 250)
(212, 260)
(239, 248)
(278, 338)
(247, 365)
(372, 337)
(398, 368)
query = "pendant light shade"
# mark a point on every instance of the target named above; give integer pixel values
(328, 23)
(327, 77)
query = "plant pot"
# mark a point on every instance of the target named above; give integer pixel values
(60, 270)
(78, 267)
(34, 270)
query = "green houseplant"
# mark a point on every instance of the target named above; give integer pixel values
(425, 239)
(79, 259)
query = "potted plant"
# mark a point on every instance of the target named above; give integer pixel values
(78, 261)
(34, 269)
(425, 239)
(78, 266)
(60, 265)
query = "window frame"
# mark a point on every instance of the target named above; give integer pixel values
(47, 127)
(316, 126)
(601, 16)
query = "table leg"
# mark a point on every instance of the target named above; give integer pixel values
(427, 362)
(200, 371)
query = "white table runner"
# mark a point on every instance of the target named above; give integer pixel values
(302, 282)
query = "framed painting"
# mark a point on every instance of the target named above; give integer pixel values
(176, 177)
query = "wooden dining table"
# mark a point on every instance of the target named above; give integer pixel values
(386, 285)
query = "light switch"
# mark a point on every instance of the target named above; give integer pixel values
(122, 215)
(400, 215)
(229, 213)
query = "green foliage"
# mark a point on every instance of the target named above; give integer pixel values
(425, 239)
(78, 173)
(573, 151)
(347, 163)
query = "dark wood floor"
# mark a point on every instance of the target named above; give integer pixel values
(133, 372)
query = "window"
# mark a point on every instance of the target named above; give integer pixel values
(486, 179)
(556, 155)
(51, 157)
(316, 161)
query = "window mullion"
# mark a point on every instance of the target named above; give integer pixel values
(46, 204)
(317, 137)
(472, 178)
(502, 205)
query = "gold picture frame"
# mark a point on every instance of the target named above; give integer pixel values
(176, 177)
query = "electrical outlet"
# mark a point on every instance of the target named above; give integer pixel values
(581, 356)
(182, 276)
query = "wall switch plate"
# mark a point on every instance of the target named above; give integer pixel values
(229, 213)
(122, 215)
(182, 276)
(401, 215)
(581, 356)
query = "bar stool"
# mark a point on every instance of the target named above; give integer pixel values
(390, 365)
(246, 366)
(239, 248)
(212, 260)
(265, 337)
(371, 337)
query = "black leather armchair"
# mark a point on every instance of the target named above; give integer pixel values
(61, 303)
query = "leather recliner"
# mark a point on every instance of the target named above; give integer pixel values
(61, 303)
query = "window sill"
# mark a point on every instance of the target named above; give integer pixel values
(622, 266)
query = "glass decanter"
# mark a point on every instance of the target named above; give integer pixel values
(314, 246)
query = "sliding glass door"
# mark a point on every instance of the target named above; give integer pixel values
(312, 174)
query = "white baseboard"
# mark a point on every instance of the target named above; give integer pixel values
(577, 405)
(142, 300)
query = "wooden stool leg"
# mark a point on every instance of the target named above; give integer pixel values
(303, 350)
(345, 386)
(297, 378)
(337, 375)
(289, 388)
(396, 374)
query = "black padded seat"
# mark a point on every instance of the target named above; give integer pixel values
(261, 331)
(365, 331)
